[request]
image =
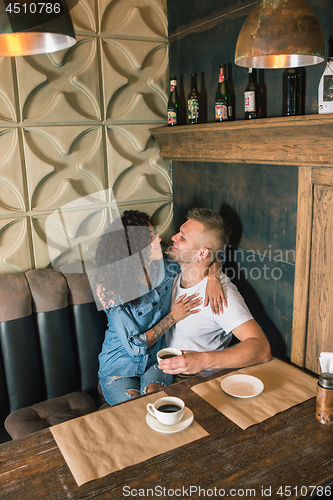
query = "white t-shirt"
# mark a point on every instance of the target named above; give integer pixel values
(205, 331)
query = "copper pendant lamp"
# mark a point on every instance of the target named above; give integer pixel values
(280, 34)
(30, 27)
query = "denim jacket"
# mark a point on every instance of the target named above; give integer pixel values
(125, 351)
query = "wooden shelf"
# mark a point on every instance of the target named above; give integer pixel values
(295, 140)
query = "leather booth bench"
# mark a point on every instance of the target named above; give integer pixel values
(50, 336)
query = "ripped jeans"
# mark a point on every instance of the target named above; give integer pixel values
(115, 388)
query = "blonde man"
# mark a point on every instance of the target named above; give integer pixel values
(204, 337)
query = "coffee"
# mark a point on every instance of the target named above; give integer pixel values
(168, 408)
(166, 356)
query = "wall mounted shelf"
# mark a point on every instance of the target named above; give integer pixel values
(296, 140)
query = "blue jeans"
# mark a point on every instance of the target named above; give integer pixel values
(115, 389)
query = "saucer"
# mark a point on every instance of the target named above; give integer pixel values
(242, 386)
(180, 426)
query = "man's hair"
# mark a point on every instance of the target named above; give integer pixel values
(216, 231)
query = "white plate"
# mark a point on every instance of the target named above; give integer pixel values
(180, 426)
(242, 386)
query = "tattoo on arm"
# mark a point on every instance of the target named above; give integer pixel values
(158, 330)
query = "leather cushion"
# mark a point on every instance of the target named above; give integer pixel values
(51, 412)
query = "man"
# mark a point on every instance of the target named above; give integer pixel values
(204, 337)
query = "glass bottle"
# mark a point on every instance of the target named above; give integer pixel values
(251, 96)
(223, 106)
(193, 102)
(324, 401)
(325, 89)
(292, 91)
(173, 103)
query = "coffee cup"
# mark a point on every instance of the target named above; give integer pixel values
(168, 352)
(167, 410)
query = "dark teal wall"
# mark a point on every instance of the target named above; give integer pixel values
(258, 201)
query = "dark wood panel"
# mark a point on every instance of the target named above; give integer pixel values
(258, 202)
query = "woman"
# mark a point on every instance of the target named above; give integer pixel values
(134, 284)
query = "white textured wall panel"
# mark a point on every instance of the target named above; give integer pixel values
(75, 146)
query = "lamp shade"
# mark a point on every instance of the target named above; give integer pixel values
(280, 34)
(27, 28)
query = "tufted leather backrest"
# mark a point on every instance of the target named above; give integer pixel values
(50, 336)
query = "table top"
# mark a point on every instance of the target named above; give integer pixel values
(289, 455)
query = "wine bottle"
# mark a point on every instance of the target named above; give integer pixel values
(251, 97)
(292, 92)
(223, 107)
(173, 103)
(193, 102)
(325, 89)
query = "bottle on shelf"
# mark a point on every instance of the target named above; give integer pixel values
(325, 89)
(262, 94)
(193, 102)
(223, 106)
(292, 91)
(251, 96)
(173, 103)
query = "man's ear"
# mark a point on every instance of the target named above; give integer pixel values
(203, 253)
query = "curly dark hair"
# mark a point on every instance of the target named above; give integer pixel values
(116, 274)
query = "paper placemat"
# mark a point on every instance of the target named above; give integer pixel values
(109, 440)
(284, 386)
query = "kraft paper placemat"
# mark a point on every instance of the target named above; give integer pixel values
(109, 440)
(284, 386)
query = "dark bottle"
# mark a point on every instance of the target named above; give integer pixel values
(193, 102)
(262, 94)
(251, 96)
(173, 103)
(223, 106)
(292, 92)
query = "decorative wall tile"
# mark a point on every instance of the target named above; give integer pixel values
(7, 98)
(83, 16)
(67, 237)
(136, 18)
(65, 90)
(137, 100)
(63, 163)
(11, 181)
(129, 140)
(15, 246)
(85, 151)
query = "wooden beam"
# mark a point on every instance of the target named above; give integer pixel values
(296, 140)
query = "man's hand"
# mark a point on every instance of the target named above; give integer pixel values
(189, 363)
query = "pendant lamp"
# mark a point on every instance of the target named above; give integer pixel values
(280, 34)
(30, 27)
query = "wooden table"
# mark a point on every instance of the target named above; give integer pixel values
(287, 456)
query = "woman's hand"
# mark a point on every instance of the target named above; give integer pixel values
(184, 306)
(103, 297)
(215, 295)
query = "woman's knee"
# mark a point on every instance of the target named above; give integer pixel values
(153, 387)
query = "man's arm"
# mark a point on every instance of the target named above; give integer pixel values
(252, 349)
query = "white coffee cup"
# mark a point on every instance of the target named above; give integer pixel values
(167, 410)
(168, 352)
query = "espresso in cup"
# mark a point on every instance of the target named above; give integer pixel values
(168, 352)
(167, 410)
